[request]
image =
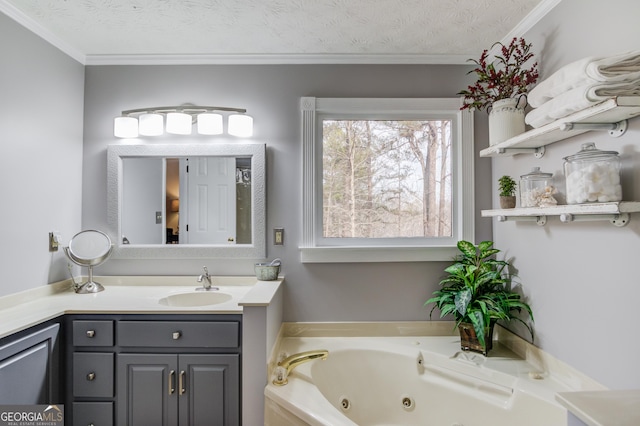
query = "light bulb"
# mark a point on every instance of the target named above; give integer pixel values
(125, 127)
(240, 125)
(209, 123)
(150, 124)
(179, 123)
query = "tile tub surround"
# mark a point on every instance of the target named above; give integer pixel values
(511, 356)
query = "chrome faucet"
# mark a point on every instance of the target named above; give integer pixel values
(206, 286)
(286, 365)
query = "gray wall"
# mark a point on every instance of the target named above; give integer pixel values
(271, 93)
(40, 156)
(582, 278)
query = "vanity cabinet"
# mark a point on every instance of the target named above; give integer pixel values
(184, 389)
(29, 366)
(173, 370)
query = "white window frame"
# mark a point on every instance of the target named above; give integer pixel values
(314, 248)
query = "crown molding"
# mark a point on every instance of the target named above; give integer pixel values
(24, 20)
(259, 59)
(529, 21)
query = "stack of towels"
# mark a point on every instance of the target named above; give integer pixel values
(582, 84)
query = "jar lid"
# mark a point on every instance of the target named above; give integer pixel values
(589, 151)
(535, 174)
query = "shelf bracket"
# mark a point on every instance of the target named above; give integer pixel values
(615, 129)
(618, 220)
(539, 220)
(537, 152)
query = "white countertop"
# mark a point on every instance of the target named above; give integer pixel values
(603, 408)
(130, 294)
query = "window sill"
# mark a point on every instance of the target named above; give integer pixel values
(376, 254)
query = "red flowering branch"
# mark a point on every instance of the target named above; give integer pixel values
(503, 78)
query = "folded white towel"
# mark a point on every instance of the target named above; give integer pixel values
(624, 67)
(578, 99)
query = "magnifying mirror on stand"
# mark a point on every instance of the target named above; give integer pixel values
(89, 248)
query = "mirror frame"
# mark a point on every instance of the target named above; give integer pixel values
(255, 250)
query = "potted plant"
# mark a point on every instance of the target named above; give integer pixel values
(477, 292)
(507, 190)
(500, 86)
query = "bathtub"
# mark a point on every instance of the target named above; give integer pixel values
(413, 381)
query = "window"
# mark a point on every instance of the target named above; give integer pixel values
(386, 179)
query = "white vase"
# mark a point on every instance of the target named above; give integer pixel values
(506, 120)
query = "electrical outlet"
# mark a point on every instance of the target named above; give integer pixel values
(278, 236)
(54, 241)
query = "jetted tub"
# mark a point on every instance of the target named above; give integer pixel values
(414, 381)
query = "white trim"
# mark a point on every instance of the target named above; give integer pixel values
(375, 254)
(463, 175)
(277, 59)
(255, 250)
(17, 15)
(528, 22)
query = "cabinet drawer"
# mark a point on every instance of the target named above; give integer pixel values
(92, 374)
(92, 414)
(92, 333)
(178, 334)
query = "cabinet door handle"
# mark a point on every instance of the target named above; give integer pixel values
(181, 383)
(172, 382)
(91, 333)
(91, 376)
(177, 335)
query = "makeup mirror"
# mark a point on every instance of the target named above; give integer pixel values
(89, 248)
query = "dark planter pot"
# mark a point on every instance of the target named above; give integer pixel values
(469, 341)
(507, 202)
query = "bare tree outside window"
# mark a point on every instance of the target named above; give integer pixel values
(386, 179)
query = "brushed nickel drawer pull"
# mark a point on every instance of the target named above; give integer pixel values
(91, 333)
(181, 383)
(177, 335)
(172, 382)
(91, 376)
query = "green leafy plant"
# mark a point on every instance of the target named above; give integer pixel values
(505, 77)
(477, 290)
(507, 186)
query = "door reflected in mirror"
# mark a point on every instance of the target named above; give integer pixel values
(187, 200)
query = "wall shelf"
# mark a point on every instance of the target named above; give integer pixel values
(614, 110)
(616, 213)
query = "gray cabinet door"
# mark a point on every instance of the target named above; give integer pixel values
(208, 386)
(147, 390)
(178, 390)
(29, 369)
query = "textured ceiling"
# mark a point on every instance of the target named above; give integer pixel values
(407, 30)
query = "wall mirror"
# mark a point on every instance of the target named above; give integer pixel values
(187, 201)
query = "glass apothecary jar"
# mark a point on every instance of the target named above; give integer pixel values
(536, 189)
(592, 176)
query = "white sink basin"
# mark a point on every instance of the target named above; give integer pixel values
(199, 298)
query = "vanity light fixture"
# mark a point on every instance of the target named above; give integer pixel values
(179, 120)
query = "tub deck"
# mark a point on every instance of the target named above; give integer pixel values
(406, 351)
